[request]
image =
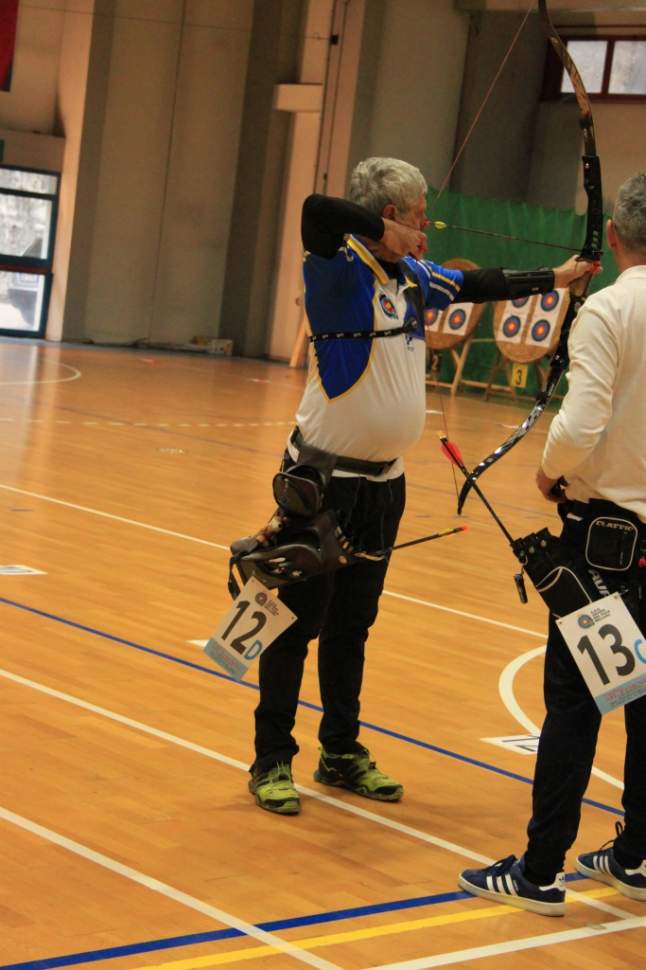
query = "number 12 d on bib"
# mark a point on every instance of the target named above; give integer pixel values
(609, 650)
(254, 621)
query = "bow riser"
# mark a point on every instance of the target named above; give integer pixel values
(593, 246)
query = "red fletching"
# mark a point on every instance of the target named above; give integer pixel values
(451, 451)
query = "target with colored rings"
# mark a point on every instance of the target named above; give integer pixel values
(430, 316)
(387, 306)
(456, 319)
(511, 326)
(541, 330)
(549, 301)
(520, 301)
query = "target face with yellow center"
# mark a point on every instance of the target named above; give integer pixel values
(528, 328)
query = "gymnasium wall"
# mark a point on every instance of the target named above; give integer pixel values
(257, 199)
(147, 95)
(555, 176)
(526, 149)
(160, 204)
(173, 158)
(410, 83)
(30, 105)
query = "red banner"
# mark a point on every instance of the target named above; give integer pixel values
(8, 20)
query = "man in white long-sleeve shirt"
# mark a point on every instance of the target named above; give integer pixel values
(597, 441)
(594, 465)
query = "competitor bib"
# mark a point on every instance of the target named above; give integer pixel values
(255, 620)
(609, 650)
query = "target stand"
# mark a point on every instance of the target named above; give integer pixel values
(452, 328)
(526, 331)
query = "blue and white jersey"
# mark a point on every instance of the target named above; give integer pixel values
(366, 398)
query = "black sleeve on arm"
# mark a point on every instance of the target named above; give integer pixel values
(326, 220)
(481, 285)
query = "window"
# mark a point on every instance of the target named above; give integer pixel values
(590, 58)
(627, 67)
(610, 67)
(28, 203)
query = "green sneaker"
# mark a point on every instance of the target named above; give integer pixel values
(358, 773)
(275, 791)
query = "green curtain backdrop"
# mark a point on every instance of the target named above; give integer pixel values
(562, 226)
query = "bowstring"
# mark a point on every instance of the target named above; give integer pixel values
(446, 433)
(447, 179)
(478, 114)
(437, 393)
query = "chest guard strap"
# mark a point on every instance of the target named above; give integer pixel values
(409, 327)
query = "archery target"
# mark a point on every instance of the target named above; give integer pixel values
(511, 327)
(445, 328)
(514, 319)
(539, 331)
(449, 327)
(459, 316)
(549, 301)
(432, 320)
(547, 318)
(528, 328)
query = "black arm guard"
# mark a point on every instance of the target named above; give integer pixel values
(482, 285)
(525, 282)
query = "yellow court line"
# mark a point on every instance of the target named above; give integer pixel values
(352, 936)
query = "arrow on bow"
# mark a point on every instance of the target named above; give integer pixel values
(439, 224)
(590, 251)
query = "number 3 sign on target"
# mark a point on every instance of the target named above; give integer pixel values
(609, 649)
(253, 622)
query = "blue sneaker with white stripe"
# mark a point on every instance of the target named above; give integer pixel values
(603, 866)
(505, 882)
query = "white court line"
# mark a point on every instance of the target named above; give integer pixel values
(55, 380)
(506, 691)
(512, 946)
(407, 830)
(217, 545)
(115, 518)
(348, 807)
(408, 599)
(184, 899)
(468, 616)
(233, 763)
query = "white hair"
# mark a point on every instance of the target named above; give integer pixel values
(629, 214)
(378, 182)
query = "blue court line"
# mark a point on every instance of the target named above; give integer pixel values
(417, 742)
(213, 936)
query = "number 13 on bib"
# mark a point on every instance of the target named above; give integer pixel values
(609, 650)
(253, 622)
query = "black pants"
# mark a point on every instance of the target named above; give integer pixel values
(566, 752)
(339, 608)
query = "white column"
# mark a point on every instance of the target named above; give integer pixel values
(304, 100)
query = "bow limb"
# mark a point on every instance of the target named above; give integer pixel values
(592, 246)
(590, 251)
